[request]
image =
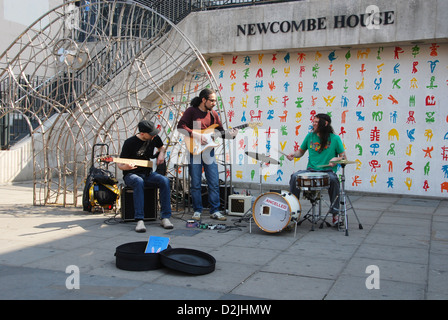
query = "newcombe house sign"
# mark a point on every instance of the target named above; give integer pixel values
(372, 19)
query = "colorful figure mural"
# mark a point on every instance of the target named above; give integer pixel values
(386, 104)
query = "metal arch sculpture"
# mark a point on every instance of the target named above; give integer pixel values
(83, 75)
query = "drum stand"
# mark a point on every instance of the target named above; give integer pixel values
(314, 196)
(343, 197)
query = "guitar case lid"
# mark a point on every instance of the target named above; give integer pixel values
(132, 257)
(188, 260)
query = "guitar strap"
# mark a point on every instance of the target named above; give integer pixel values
(222, 133)
(213, 118)
(141, 152)
(213, 122)
(142, 149)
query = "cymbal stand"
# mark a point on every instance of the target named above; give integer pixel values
(343, 197)
(261, 192)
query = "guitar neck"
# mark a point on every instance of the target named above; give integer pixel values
(136, 162)
(242, 126)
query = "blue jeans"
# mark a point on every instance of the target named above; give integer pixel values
(208, 161)
(138, 182)
(333, 190)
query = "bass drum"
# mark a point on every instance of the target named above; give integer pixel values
(273, 211)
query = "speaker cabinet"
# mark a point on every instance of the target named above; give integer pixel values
(127, 204)
(239, 205)
(222, 193)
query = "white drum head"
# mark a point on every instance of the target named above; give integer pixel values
(272, 211)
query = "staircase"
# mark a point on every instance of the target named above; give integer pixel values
(14, 127)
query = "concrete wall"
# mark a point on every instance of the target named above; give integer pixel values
(17, 164)
(216, 32)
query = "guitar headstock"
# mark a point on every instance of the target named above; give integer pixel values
(107, 159)
(255, 124)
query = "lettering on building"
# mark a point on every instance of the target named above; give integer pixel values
(322, 23)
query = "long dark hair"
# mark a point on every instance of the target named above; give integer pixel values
(205, 93)
(324, 129)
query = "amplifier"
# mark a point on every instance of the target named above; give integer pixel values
(127, 204)
(239, 204)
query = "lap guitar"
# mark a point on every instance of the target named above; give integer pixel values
(135, 162)
(194, 145)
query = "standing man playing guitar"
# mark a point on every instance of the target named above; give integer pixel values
(141, 147)
(195, 120)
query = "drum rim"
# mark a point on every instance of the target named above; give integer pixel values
(314, 174)
(289, 206)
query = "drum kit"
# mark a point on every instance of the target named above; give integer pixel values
(273, 211)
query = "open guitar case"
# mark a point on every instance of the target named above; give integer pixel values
(132, 257)
(101, 187)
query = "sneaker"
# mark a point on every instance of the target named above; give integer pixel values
(166, 223)
(336, 221)
(218, 216)
(140, 227)
(196, 216)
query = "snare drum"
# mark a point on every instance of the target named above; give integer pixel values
(313, 180)
(273, 211)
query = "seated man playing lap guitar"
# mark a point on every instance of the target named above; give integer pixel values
(137, 175)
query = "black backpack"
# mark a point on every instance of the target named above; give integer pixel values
(101, 187)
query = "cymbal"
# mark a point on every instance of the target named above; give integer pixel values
(262, 157)
(343, 162)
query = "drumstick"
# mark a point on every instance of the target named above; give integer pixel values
(280, 152)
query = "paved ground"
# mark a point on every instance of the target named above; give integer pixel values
(401, 253)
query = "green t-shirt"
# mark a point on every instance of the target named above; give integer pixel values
(312, 144)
